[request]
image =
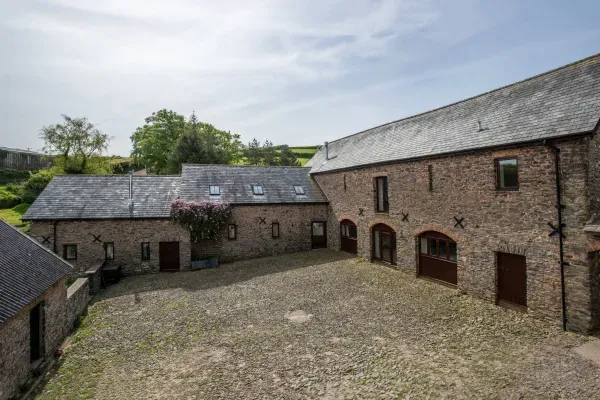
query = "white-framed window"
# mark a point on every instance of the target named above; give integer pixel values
(214, 190)
(257, 189)
(232, 232)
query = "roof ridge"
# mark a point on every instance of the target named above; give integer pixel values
(245, 166)
(473, 97)
(36, 243)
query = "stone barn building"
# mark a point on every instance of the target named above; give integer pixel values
(495, 195)
(33, 307)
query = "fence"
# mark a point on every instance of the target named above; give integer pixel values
(23, 160)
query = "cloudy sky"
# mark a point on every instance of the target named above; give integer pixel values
(293, 71)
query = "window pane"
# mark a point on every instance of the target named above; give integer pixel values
(352, 231)
(380, 195)
(299, 189)
(317, 229)
(71, 252)
(231, 231)
(215, 190)
(275, 230)
(377, 249)
(443, 251)
(257, 189)
(432, 247)
(424, 245)
(145, 251)
(453, 251)
(110, 251)
(508, 173)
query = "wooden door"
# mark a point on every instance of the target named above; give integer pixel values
(383, 244)
(36, 334)
(348, 237)
(168, 255)
(438, 257)
(319, 234)
(512, 279)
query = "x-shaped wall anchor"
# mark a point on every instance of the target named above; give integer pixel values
(459, 222)
(45, 239)
(96, 238)
(405, 217)
(555, 230)
(361, 211)
(262, 220)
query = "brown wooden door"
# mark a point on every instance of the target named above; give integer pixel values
(319, 234)
(512, 279)
(168, 255)
(348, 237)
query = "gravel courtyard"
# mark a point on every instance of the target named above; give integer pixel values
(367, 331)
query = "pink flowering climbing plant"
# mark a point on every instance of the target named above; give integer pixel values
(205, 220)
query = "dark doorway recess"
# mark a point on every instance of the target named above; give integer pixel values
(383, 244)
(168, 255)
(319, 234)
(437, 257)
(36, 333)
(348, 236)
(512, 280)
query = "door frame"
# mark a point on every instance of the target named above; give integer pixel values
(347, 222)
(383, 229)
(160, 257)
(504, 302)
(312, 236)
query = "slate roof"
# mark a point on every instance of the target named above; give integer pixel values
(551, 105)
(27, 270)
(236, 184)
(104, 197)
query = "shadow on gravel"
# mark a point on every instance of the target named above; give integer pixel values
(226, 275)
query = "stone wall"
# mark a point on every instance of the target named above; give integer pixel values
(494, 221)
(14, 338)
(78, 298)
(127, 236)
(254, 239)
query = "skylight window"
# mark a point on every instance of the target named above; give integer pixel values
(257, 189)
(214, 190)
(299, 190)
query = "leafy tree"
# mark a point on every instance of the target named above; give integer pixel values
(269, 155)
(202, 143)
(253, 153)
(154, 142)
(287, 157)
(76, 140)
(36, 183)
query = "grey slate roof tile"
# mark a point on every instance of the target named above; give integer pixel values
(560, 102)
(104, 197)
(236, 184)
(27, 270)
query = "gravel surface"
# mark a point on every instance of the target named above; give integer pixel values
(312, 325)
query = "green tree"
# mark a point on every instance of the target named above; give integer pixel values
(154, 142)
(202, 143)
(269, 155)
(253, 153)
(76, 140)
(287, 157)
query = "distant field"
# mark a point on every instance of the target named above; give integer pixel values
(305, 153)
(13, 216)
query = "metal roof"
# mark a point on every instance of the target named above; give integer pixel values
(235, 183)
(551, 105)
(27, 270)
(104, 197)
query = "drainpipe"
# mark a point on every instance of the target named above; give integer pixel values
(560, 207)
(54, 238)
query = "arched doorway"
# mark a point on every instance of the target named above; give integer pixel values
(437, 257)
(348, 236)
(383, 244)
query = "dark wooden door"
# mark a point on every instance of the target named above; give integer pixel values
(437, 268)
(36, 335)
(512, 279)
(438, 256)
(348, 237)
(168, 255)
(319, 234)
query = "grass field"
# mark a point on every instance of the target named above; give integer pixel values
(304, 153)
(13, 216)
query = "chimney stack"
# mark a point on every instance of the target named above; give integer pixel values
(326, 150)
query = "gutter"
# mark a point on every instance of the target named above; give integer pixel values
(559, 208)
